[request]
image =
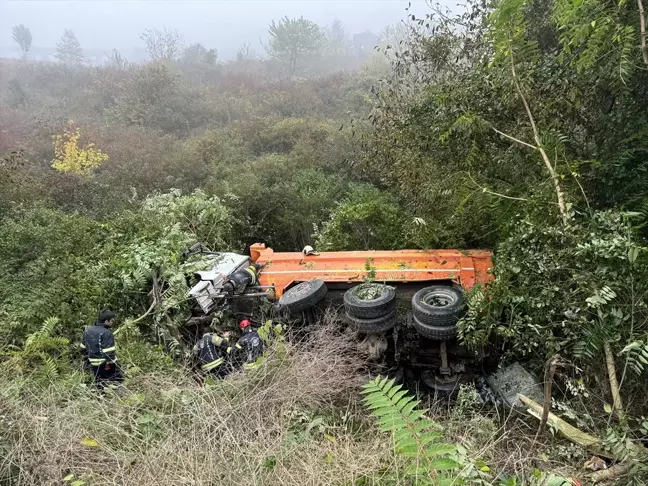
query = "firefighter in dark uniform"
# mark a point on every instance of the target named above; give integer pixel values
(239, 281)
(212, 353)
(98, 348)
(249, 347)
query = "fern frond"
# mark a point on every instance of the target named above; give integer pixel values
(50, 369)
(636, 354)
(416, 437)
(46, 330)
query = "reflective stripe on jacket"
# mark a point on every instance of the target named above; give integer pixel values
(253, 273)
(99, 345)
(211, 351)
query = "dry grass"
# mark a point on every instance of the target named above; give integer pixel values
(296, 420)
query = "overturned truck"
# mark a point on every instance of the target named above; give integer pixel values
(402, 305)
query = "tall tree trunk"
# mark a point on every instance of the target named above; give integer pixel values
(562, 207)
(642, 25)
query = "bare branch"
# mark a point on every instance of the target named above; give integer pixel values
(488, 191)
(536, 135)
(614, 384)
(550, 371)
(514, 139)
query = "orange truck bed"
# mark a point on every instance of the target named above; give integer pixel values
(282, 269)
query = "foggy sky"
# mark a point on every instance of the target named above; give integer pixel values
(223, 24)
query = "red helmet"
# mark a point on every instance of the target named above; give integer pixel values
(244, 323)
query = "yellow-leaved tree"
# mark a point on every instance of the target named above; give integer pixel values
(69, 157)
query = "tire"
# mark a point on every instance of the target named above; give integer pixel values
(303, 295)
(382, 305)
(438, 305)
(375, 325)
(437, 333)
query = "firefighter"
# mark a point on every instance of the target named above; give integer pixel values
(239, 281)
(212, 353)
(249, 346)
(98, 348)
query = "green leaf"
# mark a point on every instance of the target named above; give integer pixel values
(77, 483)
(438, 449)
(90, 442)
(410, 451)
(397, 396)
(416, 415)
(270, 462)
(392, 424)
(444, 464)
(407, 409)
(393, 390)
(483, 467)
(68, 478)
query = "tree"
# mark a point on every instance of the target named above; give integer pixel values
(245, 53)
(70, 157)
(23, 38)
(162, 45)
(197, 54)
(290, 39)
(337, 41)
(68, 49)
(116, 60)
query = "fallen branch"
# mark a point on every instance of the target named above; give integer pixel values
(147, 313)
(575, 435)
(614, 384)
(521, 142)
(613, 472)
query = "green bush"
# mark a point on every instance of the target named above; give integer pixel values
(367, 219)
(564, 290)
(44, 272)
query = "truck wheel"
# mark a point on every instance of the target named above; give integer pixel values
(438, 305)
(438, 333)
(375, 325)
(439, 385)
(303, 296)
(369, 300)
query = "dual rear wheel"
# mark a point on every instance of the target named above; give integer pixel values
(371, 307)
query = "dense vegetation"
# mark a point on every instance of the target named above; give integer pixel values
(521, 127)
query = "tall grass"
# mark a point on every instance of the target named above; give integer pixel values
(295, 420)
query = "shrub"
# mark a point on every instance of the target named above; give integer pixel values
(564, 290)
(368, 219)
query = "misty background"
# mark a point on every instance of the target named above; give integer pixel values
(101, 26)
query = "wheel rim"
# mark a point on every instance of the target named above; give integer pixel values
(299, 290)
(439, 299)
(433, 382)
